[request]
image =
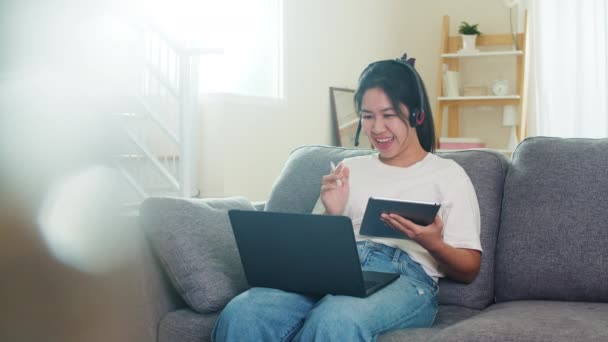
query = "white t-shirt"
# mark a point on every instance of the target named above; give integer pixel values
(433, 179)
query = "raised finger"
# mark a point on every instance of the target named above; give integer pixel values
(335, 179)
(339, 168)
(331, 178)
(328, 187)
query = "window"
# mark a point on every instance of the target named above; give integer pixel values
(249, 32)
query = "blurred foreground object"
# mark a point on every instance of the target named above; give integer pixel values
(46, 300)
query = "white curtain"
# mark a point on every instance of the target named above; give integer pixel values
(569, 61)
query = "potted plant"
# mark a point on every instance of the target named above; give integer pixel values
(469, 35)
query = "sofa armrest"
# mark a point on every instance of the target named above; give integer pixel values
(259, 205)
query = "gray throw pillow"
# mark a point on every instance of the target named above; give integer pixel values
(194, 242)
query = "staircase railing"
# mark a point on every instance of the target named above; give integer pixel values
(162, 156)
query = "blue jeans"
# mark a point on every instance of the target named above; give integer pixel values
(262, 314)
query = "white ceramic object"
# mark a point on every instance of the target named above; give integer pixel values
(500, 87)
(469, 42)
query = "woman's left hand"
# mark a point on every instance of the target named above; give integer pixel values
(460, 264)
(427, 236)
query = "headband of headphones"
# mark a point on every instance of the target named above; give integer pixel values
(416, 117)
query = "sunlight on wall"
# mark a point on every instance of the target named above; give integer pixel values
(248, 32)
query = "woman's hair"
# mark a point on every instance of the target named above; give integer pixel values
(402, 84)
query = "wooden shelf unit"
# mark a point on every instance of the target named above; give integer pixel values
(483, 54)
(450, 55)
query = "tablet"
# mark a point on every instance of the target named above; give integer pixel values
(422, 213)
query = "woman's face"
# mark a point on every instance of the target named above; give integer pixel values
(382, 124)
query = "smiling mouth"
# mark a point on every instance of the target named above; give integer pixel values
(384, 142)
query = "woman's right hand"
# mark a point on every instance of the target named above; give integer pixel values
(334, 190)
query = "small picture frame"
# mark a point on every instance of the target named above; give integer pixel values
(346, 118)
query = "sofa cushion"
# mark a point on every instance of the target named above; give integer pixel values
(195, 244)
(542, 321)
(554, 227)
(186, 325)
(447, 315)
(297, 189)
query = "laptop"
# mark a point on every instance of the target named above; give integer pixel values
(303, 253)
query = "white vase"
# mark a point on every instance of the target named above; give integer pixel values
(510, 118)
(468, 42)
(512, 144)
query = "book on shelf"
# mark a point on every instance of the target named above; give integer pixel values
(451, 83)
(474, 90)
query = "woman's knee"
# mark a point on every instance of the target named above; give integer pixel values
(261, 314)
(334, 318)
(337, 308)
(241, 308)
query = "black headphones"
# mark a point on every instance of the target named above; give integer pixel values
(417, 115)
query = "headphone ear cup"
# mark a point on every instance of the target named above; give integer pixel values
(414, 118)
(419, 117)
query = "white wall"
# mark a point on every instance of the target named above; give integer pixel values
(244, 142)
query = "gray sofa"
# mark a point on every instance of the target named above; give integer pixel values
(544, 272)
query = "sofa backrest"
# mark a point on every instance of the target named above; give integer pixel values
(553, 241)
(487, 171)
(297, 190)
(298, 186)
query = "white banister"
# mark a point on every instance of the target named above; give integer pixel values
(189, 98)
(138, 188)
(169, 103)
(152, 158)
(174, 138)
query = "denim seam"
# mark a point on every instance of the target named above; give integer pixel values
(436, 311)
(397, 255)
(365, 256)
(295, 328)
(377, 247)
(402, 267)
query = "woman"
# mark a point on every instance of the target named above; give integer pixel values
(395, 116)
